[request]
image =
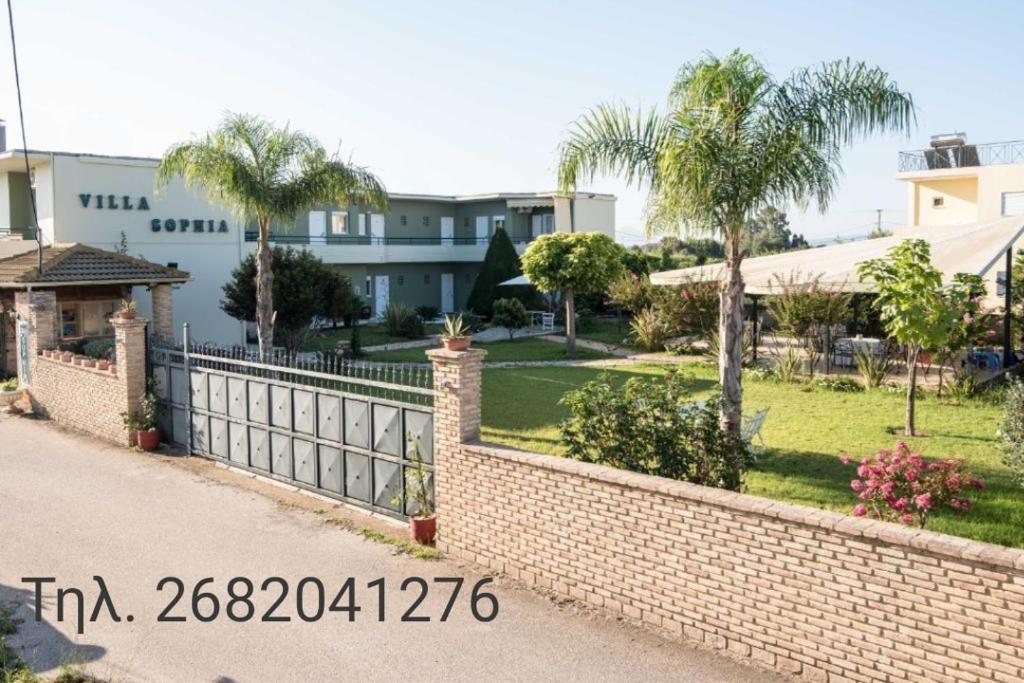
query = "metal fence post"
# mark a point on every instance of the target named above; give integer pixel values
(188, 389)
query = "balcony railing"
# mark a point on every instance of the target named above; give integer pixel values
(962, 156)
(251, 236)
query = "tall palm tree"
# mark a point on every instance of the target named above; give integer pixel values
(733, 141)
(263, 172)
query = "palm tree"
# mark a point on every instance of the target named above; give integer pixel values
(264, 172)
(733, 141)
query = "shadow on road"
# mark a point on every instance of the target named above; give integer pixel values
(39, 643)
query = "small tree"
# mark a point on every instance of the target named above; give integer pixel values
(510, 314)
(501, 263)
(914, 306)
(339, 302)
(803, 307)
(573, 262)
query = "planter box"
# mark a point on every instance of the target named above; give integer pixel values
(7, 397)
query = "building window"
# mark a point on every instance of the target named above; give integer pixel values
(404, 220)
(339, 222)
(86, 318)
(369, 285)
(499, 223)
(401, 280)
(426, 221)
(938, 202)
(1013, 203)
(362, 224)
(426, 278)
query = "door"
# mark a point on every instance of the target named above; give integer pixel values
(447, 292)
(377, 228)
(382, 294)
(318, 224)
(537, 225)
(447, 229)
(482, 225)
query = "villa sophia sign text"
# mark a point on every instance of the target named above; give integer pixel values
(129, 203)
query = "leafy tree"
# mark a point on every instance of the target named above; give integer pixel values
(571, 263)
(501, 262)
(510, 314)
(264, 172)
(803, 307)
(915, 306)
(768, 233)
(339, 301)
(734, 141)
(301, 279)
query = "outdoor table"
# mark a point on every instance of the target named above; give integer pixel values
(871, 344)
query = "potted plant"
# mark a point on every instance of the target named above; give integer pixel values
(102, 364)
(142, 426)
(129, 309)
(422, 522)
(9, 391)
(456, 335)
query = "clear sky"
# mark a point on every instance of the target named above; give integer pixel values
(462, 97)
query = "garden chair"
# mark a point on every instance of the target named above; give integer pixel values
(547, 322)
(751, 429)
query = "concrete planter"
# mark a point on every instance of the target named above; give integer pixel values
(67, 357)
(88, 363)
(9, 396)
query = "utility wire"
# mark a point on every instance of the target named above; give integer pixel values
(24, 144)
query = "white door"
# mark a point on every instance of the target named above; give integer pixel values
(377, 228)
(482, 225)
(537, 225)
(447, 229)
(382, 294)
(318, 224)
(447, 292)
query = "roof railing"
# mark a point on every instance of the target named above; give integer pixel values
(367, 240)
(962, 156)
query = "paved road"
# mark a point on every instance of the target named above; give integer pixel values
(72, 508)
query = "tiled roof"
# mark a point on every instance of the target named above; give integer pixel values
(80, 264)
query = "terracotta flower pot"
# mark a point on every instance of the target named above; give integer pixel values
(102, 364)
(423, 529)
(456, 343)
(126, 314)
(148, 440)
(113, 368)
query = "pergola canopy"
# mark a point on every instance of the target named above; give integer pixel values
(975, 249)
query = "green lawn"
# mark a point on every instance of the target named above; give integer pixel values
(369, 335)
(805, 432)
(526, 349)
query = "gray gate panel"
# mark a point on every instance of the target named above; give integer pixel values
(258, 402)
(218, 394)
(330, 469)
(201, 434)
(280, 455)
(239, 450)
(411, 508)
(305, 461)
(179, 387)
(357, 423)
(419, 434)
(160, 384)
(218, 436)
(387, 483)
(281, 407)
(387, 429)
(179, 426)
(237, 402)
(200, 393)
(328, 415)
(357, 476)
(303, 418)
(259, 448)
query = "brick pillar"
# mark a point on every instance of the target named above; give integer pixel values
(130, 345)
(163, 312)
(39, 310)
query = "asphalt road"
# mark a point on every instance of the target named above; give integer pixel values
(73, 508)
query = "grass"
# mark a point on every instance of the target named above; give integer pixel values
(369, 335)
(401, 545)
(13, 668)
(525, 349)
(807, 429)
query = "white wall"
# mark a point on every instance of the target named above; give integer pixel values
(594, 215)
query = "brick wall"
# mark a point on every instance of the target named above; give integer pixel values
(812, 593)
(82, 398)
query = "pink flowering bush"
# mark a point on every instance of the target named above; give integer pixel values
(900, 486)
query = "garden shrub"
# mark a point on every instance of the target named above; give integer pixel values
(510, 314)
(1012, 431)
(900, 486)
(474, 322)
(838, 384)
(632, 293)
(689, 309)
(586, 320)
(428, 312)
(653, 427)
(99, 348)
(873, 368)
(649, 330)
(400, 320)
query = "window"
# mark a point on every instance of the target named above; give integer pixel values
(369, 285)
(86, 318)
(404, 220)
(339, 222)
(426, 278)
(938, 202)
(401, 280)
(426, 221)
(549, 223)
(362, 224)
(318, 223)
(1013, 203)
(499, 222)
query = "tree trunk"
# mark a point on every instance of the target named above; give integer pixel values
(908, 423)
(264, 291)
(730, 347)
(570, 324)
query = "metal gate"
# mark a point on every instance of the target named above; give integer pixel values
(343, 429)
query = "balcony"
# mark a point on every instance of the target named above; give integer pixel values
(367, 249)
(961, 156)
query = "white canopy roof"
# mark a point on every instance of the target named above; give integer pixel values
(518, 280)
(976, 248)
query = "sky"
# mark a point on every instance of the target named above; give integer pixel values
(466, 97)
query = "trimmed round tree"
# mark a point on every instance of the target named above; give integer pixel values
(573, 263)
